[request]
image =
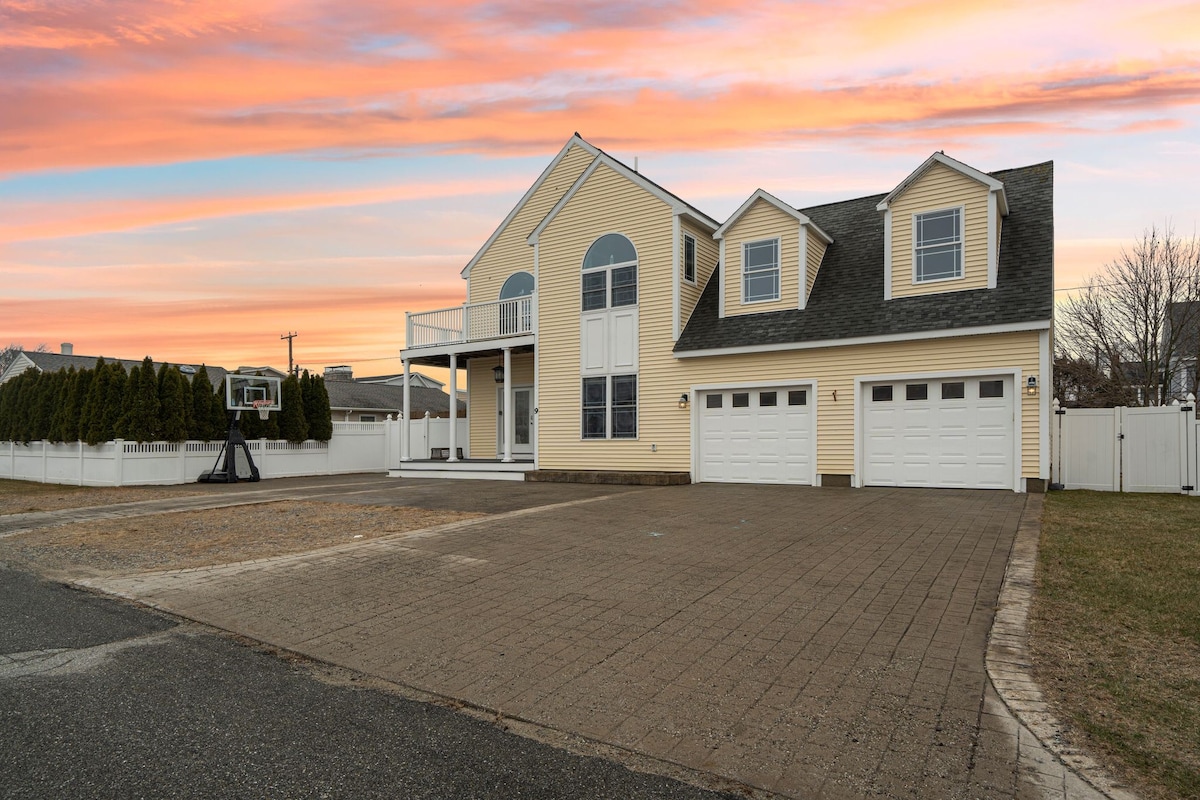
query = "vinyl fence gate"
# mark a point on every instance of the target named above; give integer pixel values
(1127, 449)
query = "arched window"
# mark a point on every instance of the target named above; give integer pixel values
(516, 316)
(519, 284)
(609, 273)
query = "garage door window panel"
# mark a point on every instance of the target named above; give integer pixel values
(713, 400)
(956, 390)
(881, 394)
(766, 399)
(798, 397)
(991, 388)
(916, 391)
(741, 399)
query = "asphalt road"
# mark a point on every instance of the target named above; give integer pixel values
(101, 699)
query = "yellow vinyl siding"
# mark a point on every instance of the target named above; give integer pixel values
(481, 388)
(941, 188)
(762, 221)
(661, 422)
(816, 252)
(606, 203)
(706, 261)
(511, 252)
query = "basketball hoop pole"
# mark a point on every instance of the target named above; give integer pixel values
(228, 471)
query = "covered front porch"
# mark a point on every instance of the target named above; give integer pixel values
(494, 345)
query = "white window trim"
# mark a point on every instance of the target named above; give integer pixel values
(608, 408)
(778, 271)
(962, 244)
(683, 259)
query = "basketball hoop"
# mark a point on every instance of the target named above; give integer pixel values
(263, 407)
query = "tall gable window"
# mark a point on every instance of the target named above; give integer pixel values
(609, 273)
(760, 271)
(937, 245)
(689, 258)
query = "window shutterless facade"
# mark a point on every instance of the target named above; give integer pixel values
(760, 271)
(610, 407)
(937, 245)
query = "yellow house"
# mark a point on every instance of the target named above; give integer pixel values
(614, 332)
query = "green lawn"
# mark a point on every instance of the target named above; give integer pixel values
(1115, 631)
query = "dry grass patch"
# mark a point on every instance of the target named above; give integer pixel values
(202, 538)
(1115, 631)
(20, 497)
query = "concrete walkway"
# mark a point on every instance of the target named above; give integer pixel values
(805, 642)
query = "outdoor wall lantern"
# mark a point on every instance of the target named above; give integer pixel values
(498, 373)
(683, 400)
(1031, 386)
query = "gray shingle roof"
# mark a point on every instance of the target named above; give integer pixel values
(53, 362)
(847, 298)
(388, 398)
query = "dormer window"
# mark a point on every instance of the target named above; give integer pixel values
(937, 245)
(760, 271)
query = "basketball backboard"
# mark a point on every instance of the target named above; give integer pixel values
(252, 392)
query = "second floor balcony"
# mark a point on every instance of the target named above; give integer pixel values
(471, 322)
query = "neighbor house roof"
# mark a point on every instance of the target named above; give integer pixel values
(847, 300)
(53, 362)
(388, 398)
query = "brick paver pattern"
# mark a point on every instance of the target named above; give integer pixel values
(812, 642)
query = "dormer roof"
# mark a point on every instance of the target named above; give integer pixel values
(767, 197)
(939, 157)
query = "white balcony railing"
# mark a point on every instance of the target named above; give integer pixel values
(471, 322)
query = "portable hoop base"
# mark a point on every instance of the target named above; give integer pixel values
(228, 471)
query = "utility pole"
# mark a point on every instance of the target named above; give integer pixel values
(289, 336)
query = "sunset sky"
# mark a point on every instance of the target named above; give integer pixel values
(192, 180)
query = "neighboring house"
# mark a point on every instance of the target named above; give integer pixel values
(901, 339)
(415, 379)
(1184, 317)
(53, 362)
(352, 401)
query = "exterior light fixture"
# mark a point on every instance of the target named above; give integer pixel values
(498, 373)
(1031, 386)
(683, 400)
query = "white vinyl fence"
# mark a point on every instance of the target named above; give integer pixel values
(1127, 449)
(355, 447)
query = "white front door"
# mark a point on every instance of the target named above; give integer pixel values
(522, 444)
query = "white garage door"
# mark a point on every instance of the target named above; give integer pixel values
(952, 432)
(759, 435)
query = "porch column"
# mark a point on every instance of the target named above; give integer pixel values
(404, 421)
(453, 408)
(508, 404)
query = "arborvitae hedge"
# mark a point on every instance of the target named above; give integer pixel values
(104, 403)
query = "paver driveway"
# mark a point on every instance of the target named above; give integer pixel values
(812, 642)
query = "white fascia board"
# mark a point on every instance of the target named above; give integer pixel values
(887, 254)
(993, 251)
(941, 158)
(676, 278)
(722, 266)
(460, 348)
(796, 214)
(676, 205)
(575, 140)
(802, 233)
(1015, 327)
